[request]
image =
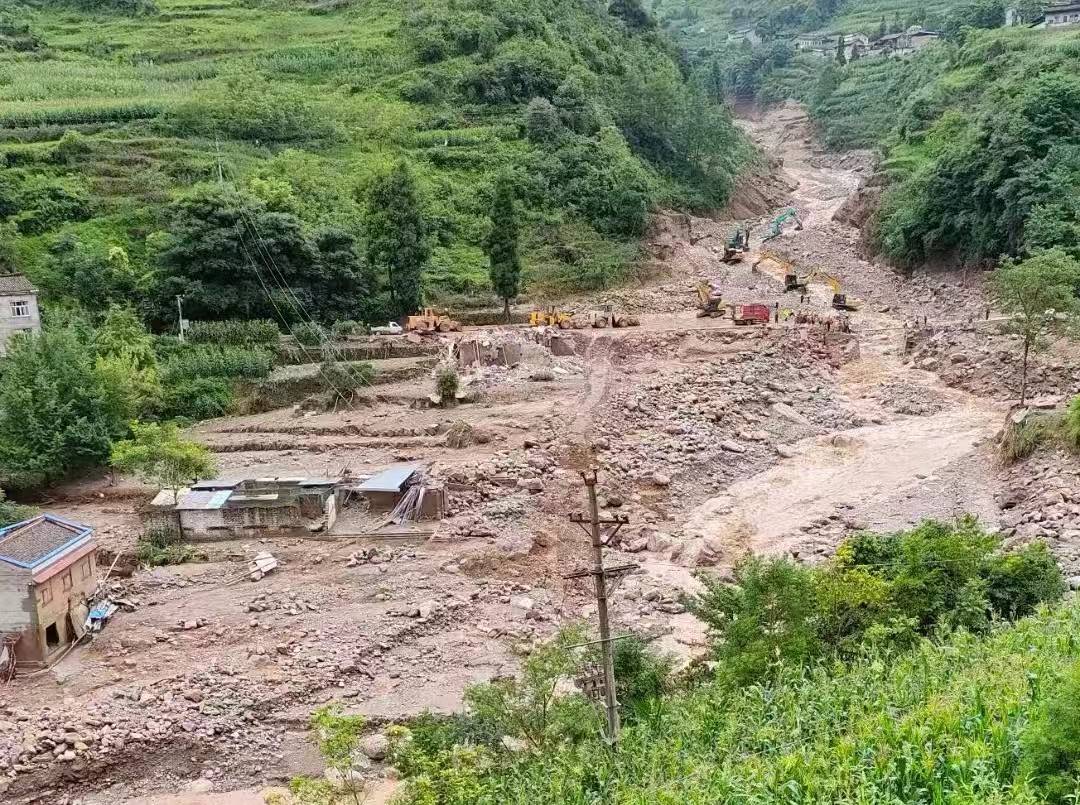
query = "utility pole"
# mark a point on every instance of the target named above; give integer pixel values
(600, 575)
(180, 313)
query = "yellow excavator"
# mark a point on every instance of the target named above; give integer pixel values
(792, 282)
(710, 301)
(549, 318)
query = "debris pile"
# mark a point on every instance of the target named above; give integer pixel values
(1041, 501)
(989, 365)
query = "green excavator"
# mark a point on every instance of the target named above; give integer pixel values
(776, 226)
(736, 246)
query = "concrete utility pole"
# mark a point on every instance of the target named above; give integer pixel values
(600, 575)
(180, 313)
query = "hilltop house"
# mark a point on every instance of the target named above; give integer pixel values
(18, 307)
(47, 571)
(823, 44)
(1062, 14)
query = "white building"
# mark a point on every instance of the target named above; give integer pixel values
(18, 308)
(1063, 14)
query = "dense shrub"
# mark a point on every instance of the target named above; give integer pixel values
(881, 589)
(158, 548)
(248, 106)
(197, 398)
(1051, 741)
(309, 334)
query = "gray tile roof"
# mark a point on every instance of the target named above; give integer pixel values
(28, 543)
(11, 284)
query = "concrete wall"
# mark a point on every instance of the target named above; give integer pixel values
(16, 607)
(1063, 18)
(232, 523)
(29, 609)
(10, 325)
(71, 586)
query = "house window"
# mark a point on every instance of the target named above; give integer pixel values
(66, 579)
(20, 309)
(44, 594)
(52, 636)
(86, 569)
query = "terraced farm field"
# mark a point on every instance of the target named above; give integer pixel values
(106, 116)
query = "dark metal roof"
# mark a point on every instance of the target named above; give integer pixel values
(12, 284)
(30, 542)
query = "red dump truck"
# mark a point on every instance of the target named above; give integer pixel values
(750, 314)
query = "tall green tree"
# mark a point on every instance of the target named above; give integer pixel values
(841, 59)
(501, 244)
(231, 258)
(398, 247)
(159, 454)
(1040, 296)
(56, 416)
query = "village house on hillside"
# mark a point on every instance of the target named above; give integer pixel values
(18, 307)
(47, 571)
(1062, 14)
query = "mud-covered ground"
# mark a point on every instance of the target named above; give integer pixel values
(715, 440)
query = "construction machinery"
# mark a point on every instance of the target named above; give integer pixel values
(736, 246)
(606, 315)
(776, 225)
(550, 318)
(750, 314)
(839, 298)
(710, 301)
(429, 321)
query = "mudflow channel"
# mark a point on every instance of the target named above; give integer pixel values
(882, 476)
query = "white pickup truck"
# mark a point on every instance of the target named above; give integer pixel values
(390, 328)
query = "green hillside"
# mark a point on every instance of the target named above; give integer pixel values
(110, 110)
(707, 23)
(981, 143)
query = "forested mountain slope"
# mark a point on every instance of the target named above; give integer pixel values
(111, 111)
(981, 143)
(704, 23)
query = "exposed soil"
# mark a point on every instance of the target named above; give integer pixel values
(714, 439)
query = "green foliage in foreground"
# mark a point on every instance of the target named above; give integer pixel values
(966, 719)
(879, 590)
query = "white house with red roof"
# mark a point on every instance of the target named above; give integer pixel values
(47, 571)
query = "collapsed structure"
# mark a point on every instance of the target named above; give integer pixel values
(222, 510)
(47, 573)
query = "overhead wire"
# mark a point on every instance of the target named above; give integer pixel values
(290, 297)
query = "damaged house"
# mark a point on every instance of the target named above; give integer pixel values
(47, 572)
(222, 510)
